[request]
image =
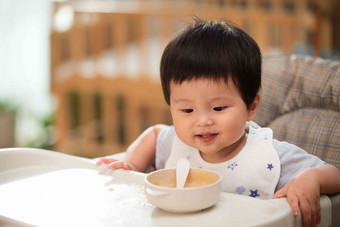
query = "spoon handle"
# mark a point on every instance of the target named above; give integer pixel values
(182, 171)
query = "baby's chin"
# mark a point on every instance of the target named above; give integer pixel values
(216, 155)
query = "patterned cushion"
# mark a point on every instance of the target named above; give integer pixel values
(301, 103)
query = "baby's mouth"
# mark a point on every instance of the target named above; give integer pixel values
(207, 137)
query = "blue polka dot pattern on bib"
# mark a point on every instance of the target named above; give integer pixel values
(240, 190)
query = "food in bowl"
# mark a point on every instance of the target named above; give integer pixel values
(196, 178)
(201, 190)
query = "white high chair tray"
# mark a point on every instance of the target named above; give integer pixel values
(45, 188)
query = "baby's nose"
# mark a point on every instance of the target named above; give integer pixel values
(204, 120)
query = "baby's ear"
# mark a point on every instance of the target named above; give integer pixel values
(254, 107)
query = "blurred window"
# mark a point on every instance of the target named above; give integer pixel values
(288, 6)
(221, 3)
(243, 4)
(265, 5)
(98, 115)
(121, 112)
(65, 47)
(108, 34)
(275, 36)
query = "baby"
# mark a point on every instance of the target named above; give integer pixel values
(211, 79)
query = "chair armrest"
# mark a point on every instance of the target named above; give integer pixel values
(335, 201)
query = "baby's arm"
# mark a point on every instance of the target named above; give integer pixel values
(140, 154)
(304, 190)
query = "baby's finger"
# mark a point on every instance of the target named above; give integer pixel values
(106, 161)
(306, 212)
(293, 202)
(99, 162)
(116, 165)
(110, 160)
(315, 211)
(314, 214)
(281, 193)
(318, 215)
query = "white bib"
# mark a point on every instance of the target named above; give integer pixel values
(254, 172)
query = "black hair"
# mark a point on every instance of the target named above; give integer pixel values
(215, 50)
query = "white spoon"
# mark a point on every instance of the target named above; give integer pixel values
(182, 171)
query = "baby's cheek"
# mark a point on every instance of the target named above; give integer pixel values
(232, 134)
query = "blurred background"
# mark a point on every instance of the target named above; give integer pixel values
(81, 77)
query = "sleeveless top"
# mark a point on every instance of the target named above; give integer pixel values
(254, 171)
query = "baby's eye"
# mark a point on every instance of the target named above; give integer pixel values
(219, 108)
(187, 110)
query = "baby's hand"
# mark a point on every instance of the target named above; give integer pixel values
(303, 192)
(105, 161)
(116, 164)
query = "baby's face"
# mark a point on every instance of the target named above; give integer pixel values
(210, 116)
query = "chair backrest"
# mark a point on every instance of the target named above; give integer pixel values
(301, 103)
